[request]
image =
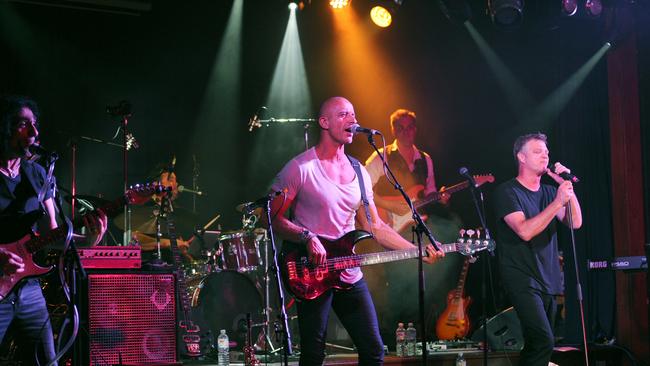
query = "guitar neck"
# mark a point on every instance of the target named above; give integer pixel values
(39, 242)
(435, 196)
(360, 260)
(461, 279)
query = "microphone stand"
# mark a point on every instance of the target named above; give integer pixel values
(477, 195)
(283, 311)
(255, 121)
(578, 284)
(420, 229)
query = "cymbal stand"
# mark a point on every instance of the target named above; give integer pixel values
(267, 305)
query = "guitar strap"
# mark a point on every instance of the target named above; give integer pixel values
(364, 198)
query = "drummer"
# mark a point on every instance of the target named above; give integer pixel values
(165, 174)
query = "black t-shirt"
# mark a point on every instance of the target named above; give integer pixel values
(534, 263)
(19, 196)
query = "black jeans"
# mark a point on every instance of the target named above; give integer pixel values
(356, 311)
(536, 312)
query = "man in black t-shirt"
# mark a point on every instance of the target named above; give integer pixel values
(527, 212)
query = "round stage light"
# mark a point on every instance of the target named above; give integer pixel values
(381, 16)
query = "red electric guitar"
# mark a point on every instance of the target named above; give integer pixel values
(454, 323)
(306, 281)
(30, 243)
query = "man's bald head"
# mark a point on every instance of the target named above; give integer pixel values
(329, 104)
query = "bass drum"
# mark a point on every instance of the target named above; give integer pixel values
(222, 300)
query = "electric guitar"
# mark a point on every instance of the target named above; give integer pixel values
(401, 222)
(30, 243)
(454, 323)
(307, 281)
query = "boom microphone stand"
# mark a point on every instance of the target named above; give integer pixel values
(420, 229)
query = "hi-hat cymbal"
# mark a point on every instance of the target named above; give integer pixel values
(144, 221)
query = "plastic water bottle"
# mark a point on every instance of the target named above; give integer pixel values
(223, 346)
(400, 340)
(411, 334)
(460, 360)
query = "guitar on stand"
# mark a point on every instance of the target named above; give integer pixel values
(402, 222)
(29, 244)
(454, 323)
(188, 330)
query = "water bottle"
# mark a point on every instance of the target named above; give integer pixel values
(460, 360)
(400, 340)
(410, 340)
(223, 345)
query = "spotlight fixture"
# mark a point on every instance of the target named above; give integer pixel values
(507, 14)
(593, 7)
(339, 4)
(382, 15)
(293, 6)
(569, 7)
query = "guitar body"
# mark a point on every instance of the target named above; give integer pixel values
(306, 281)
(400, 222)
(7, 282)
(454, 323)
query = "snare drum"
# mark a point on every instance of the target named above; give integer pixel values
(240, 251)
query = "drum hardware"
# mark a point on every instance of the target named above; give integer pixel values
(249, 349)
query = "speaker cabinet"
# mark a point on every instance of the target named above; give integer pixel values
(503, 332)
(131, 319)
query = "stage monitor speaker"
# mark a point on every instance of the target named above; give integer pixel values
(503, 332)
(131, 319)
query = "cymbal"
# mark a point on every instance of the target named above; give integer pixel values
(85, 200)
(144, 221)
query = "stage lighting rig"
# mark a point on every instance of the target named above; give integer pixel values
(506, 14)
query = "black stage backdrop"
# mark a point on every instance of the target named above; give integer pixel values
(75, 62)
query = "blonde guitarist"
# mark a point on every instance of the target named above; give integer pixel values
(412, 167)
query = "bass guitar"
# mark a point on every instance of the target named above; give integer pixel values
(30, 243)
(307, 281)
(401, 222)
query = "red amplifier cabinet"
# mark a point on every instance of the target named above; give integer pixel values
(132, 317)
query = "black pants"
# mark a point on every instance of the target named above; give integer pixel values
(536, 312)
(356, 311)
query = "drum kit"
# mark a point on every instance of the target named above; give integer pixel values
(227, 280)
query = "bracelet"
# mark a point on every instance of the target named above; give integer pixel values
(306, 236)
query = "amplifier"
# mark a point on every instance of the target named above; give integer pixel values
(128, 319)
(111, 257)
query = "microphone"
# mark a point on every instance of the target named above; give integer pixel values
(566, 176)
(181, 188)
(356, 129)
(248, 207)
(36, 149)
(464, 172)
(123, 108)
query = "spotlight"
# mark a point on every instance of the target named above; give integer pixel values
(507, 14)
(338, 4)
(594, 7)
(569, 7)
(293, 6)
(382, 15)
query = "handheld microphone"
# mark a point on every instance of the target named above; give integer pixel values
(356, 129)
(566, 176)
(464, 172)
(181, 188)
(36, 149)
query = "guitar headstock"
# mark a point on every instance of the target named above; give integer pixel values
(140, 193)
(483, 178)
(472, 241)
